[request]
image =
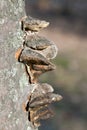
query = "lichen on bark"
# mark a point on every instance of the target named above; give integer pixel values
(11, 75)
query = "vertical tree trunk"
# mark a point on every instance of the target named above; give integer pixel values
(12, 76)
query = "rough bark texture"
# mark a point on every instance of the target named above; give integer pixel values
(12, 76)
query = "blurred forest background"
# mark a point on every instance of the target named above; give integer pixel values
(68, 29)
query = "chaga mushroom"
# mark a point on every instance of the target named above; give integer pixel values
(32, 24)
(38, 103)
(42, 45)
(35, 63)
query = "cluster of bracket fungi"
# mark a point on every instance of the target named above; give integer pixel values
(35, 54)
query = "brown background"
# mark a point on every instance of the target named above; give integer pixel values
(68, 29)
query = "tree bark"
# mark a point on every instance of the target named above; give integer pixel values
(12, 76)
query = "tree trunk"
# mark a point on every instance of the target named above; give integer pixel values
(12, 76)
